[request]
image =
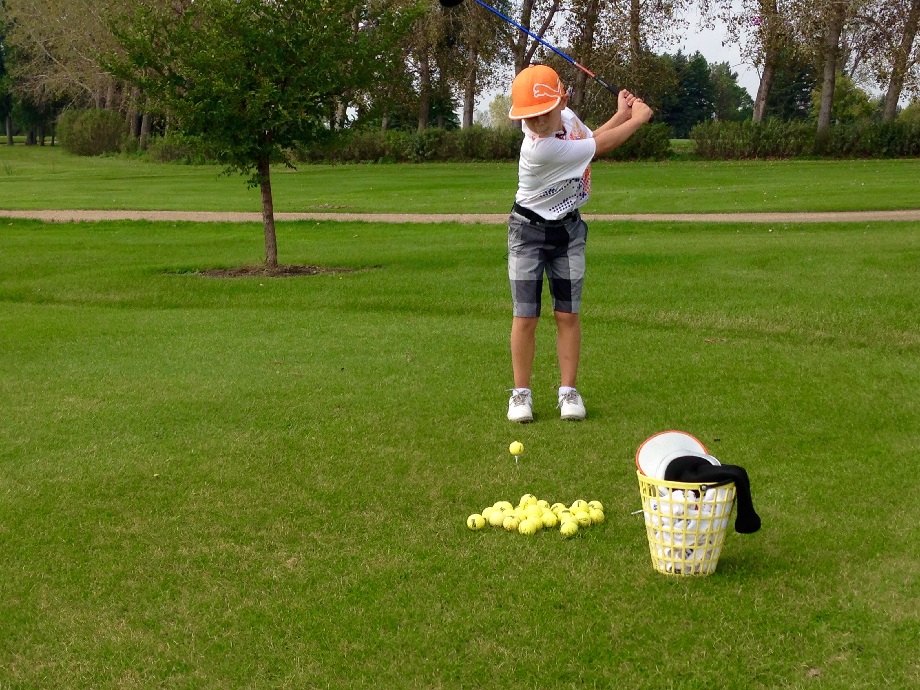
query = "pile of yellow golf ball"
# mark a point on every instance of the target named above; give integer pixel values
(533, 515)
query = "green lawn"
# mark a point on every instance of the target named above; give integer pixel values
(48, 178)
(264, 483)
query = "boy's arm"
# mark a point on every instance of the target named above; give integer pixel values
(608, 138)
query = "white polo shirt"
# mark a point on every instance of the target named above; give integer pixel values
(554, 173)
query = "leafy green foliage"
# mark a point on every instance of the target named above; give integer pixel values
(731, 101)
(911, 113)
(693, 100)
(91, 132)
(793, 83)
(789, 139)
(470, 144)
(252, 78)
(851, 103)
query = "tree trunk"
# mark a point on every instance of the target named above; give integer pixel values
(899, 65)
(145, 130)
(268, 213)
(766, 83)
(469, 88)
(134, 125)
(9, 130)
(635, 32)
(772, 38)
(831, 50)
(384, 122)
(424, 95)
(585, 51)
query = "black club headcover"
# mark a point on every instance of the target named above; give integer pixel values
(696, 470)
(450, 3)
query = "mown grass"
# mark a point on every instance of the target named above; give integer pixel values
(264, 482)
(48, 178)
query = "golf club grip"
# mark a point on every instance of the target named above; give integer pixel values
(607, 85)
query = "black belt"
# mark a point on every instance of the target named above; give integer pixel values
(537, 219)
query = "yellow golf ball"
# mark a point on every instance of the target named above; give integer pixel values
(516, 448)
(549, 519)
(583, 519)
(569, 529)
(475, 522)
(511, 523)
(597, 516)
(496, 518)
(527, 527)
(526, 499)
(596, 504)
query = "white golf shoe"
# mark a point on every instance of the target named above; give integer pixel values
(520, 406)
(572, 406)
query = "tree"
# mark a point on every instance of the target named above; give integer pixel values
(252, 78)
(850, 102)
(893, 27)
(731, 102)
(911, 113)
(835, 15)
(497, 117)
(6, 97)
(692, 101)
(57, 44)
(794, 81)
(761, 29)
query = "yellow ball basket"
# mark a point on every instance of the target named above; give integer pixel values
(686, 524)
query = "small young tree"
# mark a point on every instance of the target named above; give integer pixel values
(252, 78)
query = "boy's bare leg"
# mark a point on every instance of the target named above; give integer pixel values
(523, 347)
(568, 346)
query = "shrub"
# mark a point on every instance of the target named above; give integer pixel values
(91, 132)
(651, 142)
(475, 143)
(739, 140)
(777, 139)
(180, 148)
(869, 139)
(479, 143)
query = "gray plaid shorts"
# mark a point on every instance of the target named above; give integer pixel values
(557, 250)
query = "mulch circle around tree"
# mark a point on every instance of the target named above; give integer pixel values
(276, 272)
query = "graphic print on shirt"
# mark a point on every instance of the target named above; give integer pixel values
(571, 193)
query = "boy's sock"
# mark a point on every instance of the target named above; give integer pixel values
(565, 389)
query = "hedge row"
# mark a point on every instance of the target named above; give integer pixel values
(776, 139)
(469, 144)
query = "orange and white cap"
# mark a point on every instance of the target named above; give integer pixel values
(535, 91)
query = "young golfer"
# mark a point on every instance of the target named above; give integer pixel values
(545, 230)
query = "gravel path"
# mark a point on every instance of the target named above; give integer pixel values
(66, 216)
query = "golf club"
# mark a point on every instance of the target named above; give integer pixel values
(600, 80)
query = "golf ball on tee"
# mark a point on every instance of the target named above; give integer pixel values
(516, 448)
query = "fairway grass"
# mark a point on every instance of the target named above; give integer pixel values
(47, 178)
(264, 483)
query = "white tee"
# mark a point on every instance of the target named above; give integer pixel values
(554, 173)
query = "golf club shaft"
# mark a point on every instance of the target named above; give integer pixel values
(610, 87)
